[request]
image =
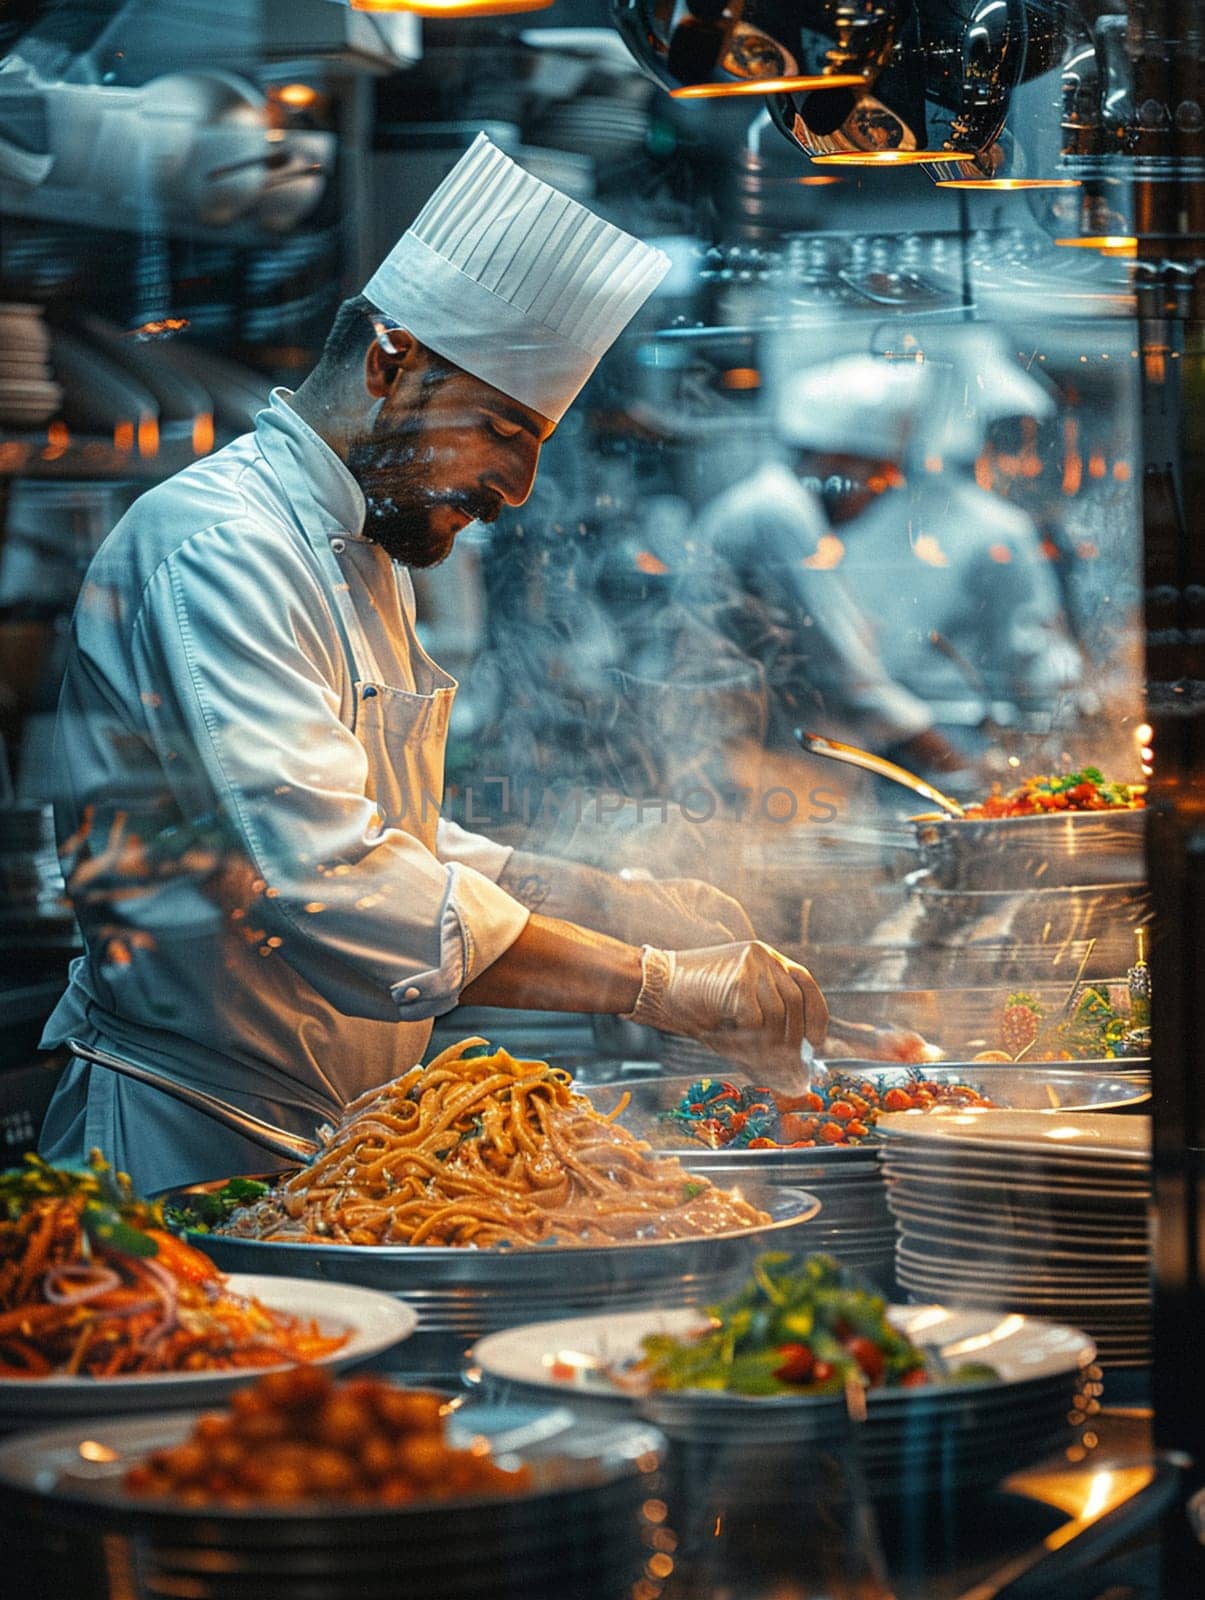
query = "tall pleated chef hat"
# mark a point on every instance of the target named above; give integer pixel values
(858, 405)
(514, 281)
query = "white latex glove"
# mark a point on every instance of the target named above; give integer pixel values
(744, 1001)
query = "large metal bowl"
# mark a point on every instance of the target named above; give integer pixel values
(460, 1294)
(1060, 849)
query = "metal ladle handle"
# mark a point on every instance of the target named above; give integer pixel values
(278, 1140)
(853, 757)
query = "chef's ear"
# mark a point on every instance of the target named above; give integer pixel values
(392, 352)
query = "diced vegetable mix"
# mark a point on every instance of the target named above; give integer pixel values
(1086, 790)
(842, 1111)
(800, 1326)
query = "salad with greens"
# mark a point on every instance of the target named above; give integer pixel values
(801, 1327)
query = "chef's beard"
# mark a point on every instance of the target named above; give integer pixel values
(391, 470)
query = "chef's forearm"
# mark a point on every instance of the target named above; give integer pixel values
(557, 966)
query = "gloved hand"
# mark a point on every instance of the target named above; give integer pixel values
(744, 1001)
(673, 913)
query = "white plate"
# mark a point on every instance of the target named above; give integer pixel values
(376, 1322)
(1020, 1348)
(1039, 1133)
(950, 1239)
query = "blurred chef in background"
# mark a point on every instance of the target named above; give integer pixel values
(251, 738)
(962, 607)
(768, 570)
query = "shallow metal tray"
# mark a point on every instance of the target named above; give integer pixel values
(1042, 1087)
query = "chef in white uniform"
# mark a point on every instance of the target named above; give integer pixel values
(961, 607)
(251, 737)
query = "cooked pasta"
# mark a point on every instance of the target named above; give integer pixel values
(91, 1285)
(486, 1150)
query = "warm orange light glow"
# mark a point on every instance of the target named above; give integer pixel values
(159, 328)
(718, 91)
(297, 95)
(983, 473)
(1000, 554)
(1073, 462)
(1113, 244)
(202, 433)
(933, 464)
(451, 8)
(1121, 471)
(741, 378)
(819, 181)
(1096, 465)
(148, 435)
(1008, 183)
(647, 562)
(887, 158)
(58, 439)
(830, 552)
(123, 437)
(927, 548)
(1086, 550)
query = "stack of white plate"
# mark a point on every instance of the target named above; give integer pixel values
(911, 1441)
(1039, 1213)
(579, 1530)
(29, 396)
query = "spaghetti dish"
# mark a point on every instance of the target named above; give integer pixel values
(481, 1149)
(92, 1284)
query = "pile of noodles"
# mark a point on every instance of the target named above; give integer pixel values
(488, 1151)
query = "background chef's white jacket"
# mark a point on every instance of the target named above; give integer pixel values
(756, 557)
(249, 762)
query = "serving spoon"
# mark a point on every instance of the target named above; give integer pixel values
(266, 1134)
(853, 757)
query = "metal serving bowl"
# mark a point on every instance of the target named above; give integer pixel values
(460, 1294)
(1059, 849)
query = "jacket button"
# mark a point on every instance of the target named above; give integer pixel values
(368, 692)
(412, 993)
(338, 546)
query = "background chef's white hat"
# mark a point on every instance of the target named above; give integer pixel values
(983, 384)
(858, 405)
(513, 281)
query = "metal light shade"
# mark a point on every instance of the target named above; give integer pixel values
(702, 49)
(942, 100)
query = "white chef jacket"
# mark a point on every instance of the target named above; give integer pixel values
(947, 557)
(759, 540)
(249, 766)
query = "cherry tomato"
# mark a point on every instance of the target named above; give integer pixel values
(832, 1133)
(915, 1379)
(822, 1371)
(798, 1363)
(856, 1130)
(897, 1100)
(841, 1110)
(868, 1356)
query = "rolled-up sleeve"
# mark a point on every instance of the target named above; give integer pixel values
(246, 700)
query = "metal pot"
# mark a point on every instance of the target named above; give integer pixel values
(1059, 850)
